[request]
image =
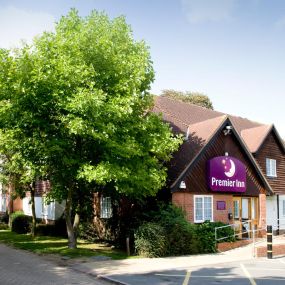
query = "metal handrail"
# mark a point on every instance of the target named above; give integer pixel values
(232, 225)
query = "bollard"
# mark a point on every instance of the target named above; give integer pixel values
(269, 242)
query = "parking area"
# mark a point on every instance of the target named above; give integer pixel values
(254, 272)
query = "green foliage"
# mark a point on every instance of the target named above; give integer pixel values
(87, 232)
(181, 235)
(4, 218)
(195, 98)
(224, 234)
(58, 229)
(151, 240)
(3, 226)
(21, 224)
(77, 106)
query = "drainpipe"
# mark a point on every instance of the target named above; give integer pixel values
(278, 216)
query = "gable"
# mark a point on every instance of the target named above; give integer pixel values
(196, 175)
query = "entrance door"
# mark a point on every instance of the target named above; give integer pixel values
(245, 209)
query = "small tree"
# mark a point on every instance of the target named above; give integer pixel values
(195, 98)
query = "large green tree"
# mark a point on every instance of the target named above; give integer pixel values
(195, 98)
(78, 98)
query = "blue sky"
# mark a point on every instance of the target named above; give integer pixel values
(231, 50)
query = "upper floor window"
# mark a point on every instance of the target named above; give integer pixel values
(203, 208)
(105, 207)
(271, 167)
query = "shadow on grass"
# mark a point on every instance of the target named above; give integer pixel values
(56, 245)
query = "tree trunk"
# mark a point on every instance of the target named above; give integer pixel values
(34, 221)
(10, 202)
(76, 224)
(72, 242)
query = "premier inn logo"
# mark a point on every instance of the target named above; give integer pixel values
(226, 174)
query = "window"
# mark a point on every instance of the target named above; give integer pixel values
(203, 208)
(271, 167)
(105, 207)
(283, 208)
(236, 209)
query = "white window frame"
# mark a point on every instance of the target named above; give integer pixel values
(203, 210)
(271, 169)
(105, 207)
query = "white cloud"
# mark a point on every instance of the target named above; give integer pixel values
(208, 10)
(17, 25)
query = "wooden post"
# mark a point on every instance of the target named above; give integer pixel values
(128, 246)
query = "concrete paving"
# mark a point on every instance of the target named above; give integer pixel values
(18, 267)
(173, 270)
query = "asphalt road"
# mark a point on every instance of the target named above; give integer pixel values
(19, 267)
(256, 272)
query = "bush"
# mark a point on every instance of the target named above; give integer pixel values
(206, 238)
(21, 224)
(181, 235)
(88, 232)
(4, 218)
(58, 229)
(4, 226)
(150, 240)
(226, 233)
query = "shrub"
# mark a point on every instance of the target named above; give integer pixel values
(224, 234)
(182, 239)
(4, 226)
(4, 218)
(21, 223)
(181, 235)
(58, 229)
(88, 232)
(150, 240)
(206, 237)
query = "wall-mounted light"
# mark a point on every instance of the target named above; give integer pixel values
(226, 154)
(227, 130)
(182, 185)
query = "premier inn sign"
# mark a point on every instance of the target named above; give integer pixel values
(226, 174)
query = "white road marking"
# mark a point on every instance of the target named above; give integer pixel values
(251, 280)
(187, 278)
(282, 261)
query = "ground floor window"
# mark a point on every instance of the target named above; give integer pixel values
(203, 208)
(105, 207)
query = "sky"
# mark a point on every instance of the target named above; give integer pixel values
(231, 50)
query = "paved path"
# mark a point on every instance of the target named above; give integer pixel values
(204, 269)
(19, 267)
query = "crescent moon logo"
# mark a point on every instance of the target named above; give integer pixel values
(232, 170)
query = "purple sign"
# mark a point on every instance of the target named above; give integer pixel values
(221, 205)
(226, 174)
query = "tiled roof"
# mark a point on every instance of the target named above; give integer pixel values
(254, 137)
(180, 115)
(201, 124)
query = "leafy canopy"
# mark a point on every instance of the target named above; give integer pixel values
(195, 98)
(78, 101)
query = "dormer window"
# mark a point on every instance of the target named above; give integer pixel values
(271, 167)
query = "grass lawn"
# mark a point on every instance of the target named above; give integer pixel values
(55, 245)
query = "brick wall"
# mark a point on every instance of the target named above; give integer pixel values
(222, 215)
(262, 211)
(185, 201)
(17, 205)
